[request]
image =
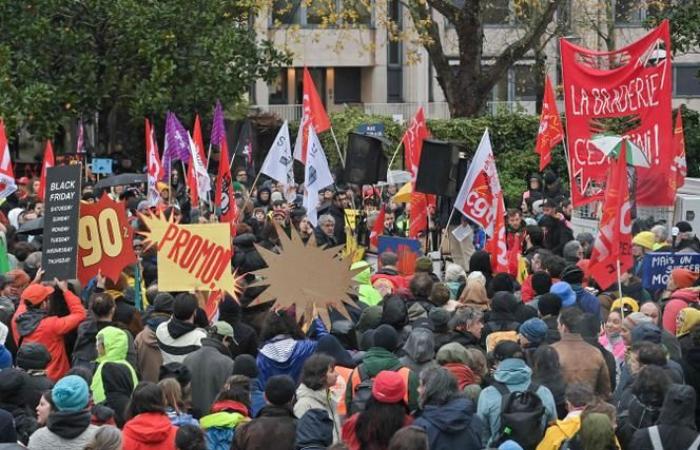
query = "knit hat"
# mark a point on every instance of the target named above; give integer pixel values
(453, 272)
(563, 290)
(36, 293)
(440, 318)
(279, 390)
(684, 227)
(549, 305)
(646, 332)
(683, 278)
(388, 387)
(245, 365)
(276, 196)
(635, 319)
(163, 303)
(386, 337)
(534, 330)
(629, 304)
(644, 239)
(424, 264)
(33, 356)
(70, 394)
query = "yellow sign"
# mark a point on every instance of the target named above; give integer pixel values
(191, 257)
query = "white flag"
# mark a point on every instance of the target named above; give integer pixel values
(200, 170)
(279, 163)
(317, 175)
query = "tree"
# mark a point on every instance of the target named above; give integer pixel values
(684, 16)
(121, 60)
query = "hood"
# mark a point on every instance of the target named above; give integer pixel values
(679, 407)
(279, 351)
(687, 295)
(463, 374)
(314, 428)
(450, 418)
(148, 428)
(33, 356)
(217, 345)
(363, 276)
(513, 372)
(29, 321)
(377, 359)
(331, 346)
(245, 240)
(177, 328)
(221, 419)
(395, 312)
(68, 425)
(116, 344)
(420, 346)
(370, 318)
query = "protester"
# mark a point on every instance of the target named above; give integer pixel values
(149, 357)
(229, 410)
(33, 358)
(148, 425)
(578, 396)
(106, 438)
(175, 404)
(318, 376)
(179, 336)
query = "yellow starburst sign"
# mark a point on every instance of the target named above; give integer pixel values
(309, 277)
(191, 257)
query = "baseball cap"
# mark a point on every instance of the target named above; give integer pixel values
(36, 293)
(223, 329)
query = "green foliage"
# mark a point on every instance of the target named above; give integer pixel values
(124, 59)
(684, 17)
(691, 128)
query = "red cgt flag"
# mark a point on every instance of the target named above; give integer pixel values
(378, 228)
(224, 197)
(550, 133)
(496, 245)
(313, 114)
(46, 164)
(614, 240)
(412, 141)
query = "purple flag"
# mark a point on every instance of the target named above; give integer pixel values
(218, 129)
(176, 142)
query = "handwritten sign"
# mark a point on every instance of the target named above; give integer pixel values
(60, 253)
(657, 267)
(105, 240)
(191, 257)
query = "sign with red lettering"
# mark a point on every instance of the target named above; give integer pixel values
(191, 257)
(105, 240)
(625, 92)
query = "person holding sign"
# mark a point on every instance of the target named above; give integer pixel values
(32, 322)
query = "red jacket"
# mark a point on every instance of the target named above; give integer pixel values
(50, 332)
(149, 431)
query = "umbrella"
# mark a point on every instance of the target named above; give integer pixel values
(32, 227)
(610, 146)
(396, 177)
(121, 180)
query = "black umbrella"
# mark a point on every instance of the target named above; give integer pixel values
(121, 180)
(32, 227)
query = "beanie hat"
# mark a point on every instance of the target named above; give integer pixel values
(388, 387)
(424, 264)
(645, 239)
(386, 337)
(33, 356)
(534, 330)
(440, 318)
(245, 365)
(684, 227)
(279, 389)
(563, 290)
(70, 394)
(646, 332)
(635, 319)
(453, 272)
(549, 305)
(683, 278)
(163, 303)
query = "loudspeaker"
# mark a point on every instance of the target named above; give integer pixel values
(365, 162)
(439, 168)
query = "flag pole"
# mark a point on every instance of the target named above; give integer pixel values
(619, 286)
(337, 147)
(393, 157)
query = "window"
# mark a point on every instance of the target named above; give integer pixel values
(394, 70)
(394, 84)
(316, 13)
(278, 89)
(348, 85)
(687, 83)
(318, 75)
(525, 82)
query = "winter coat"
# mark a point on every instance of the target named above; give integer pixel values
(680, 299)
(308, 399)
(676, 423)
(283, 355)
(84, 350)
(177, 339)
(34, 325)
(588, 302)
(7, 427)
(691, 372)
(220, 426)
(377, 359)
(275, 427)
(13, 399)
(315, 431)
(516, 376)
(64, 431)
(179, 419)
(583, 363)
(116, 344)
(149, 431)
(148, 355)
(560, 431)
(210, 367)
(366, 293)
(451, 426)
(392, 275)
(465, 338)
(557, 235)
(33, 361)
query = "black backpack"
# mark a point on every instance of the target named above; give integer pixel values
(521, 416)
(362, 392)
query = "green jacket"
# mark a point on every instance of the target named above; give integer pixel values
(377, 359)
(116, 344)
(366, 293)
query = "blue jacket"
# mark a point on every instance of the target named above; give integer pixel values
(586, 301)
(283, 356)
(452, 425)
(257, 397)
(516, 375)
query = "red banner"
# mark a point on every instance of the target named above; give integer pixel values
(633, 85)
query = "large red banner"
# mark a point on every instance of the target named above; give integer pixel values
(628, 92)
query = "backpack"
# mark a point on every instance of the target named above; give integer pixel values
(656, 443)
(362, 391)
(521, 416)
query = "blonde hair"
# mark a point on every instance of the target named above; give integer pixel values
(172, 393)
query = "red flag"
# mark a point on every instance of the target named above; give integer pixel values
(224, 198)
(378, 228)
(47, 163)
(7, 174)
(614, 240)
(496, 245)
(191, 174)
(679, 164)
(551, 132)
(412, 141)
(154, 168)
(313, 114)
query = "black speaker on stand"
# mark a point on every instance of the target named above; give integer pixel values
(439, 168)
(365, 162)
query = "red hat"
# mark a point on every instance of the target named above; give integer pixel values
(684, 278)
(388, 387)
(36, 293)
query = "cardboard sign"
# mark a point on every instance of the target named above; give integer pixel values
(408, 251)
(59, 257)
(105, 240)
(191, 257)
(657, 267)
(101, 166)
